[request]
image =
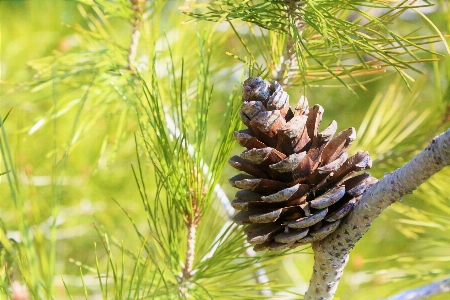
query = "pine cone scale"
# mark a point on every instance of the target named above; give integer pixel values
(325, 230)
(313, 121)
(244, 139)
(328, 199)
(341, 212)
(308, 221)
(244, 166)
(264, 234)
(268, 217)
(282, 195)
(291, 236)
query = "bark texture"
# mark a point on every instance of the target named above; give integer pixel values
(331, 254)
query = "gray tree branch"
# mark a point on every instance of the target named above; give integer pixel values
(425, 291)
(331, 254)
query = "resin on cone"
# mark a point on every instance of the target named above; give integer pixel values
(297, 183)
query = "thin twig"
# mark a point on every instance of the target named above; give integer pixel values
(190, 252)
(186, 272)
(136, 33)
(331, 254)
(425, 291)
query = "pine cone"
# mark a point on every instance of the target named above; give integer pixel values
(300, 182)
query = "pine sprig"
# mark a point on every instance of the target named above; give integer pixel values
(338, 39)
(183, 192)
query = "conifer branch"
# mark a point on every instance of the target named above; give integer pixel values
(345, 47)
(260, 275)
(331, 254)
(424, 292)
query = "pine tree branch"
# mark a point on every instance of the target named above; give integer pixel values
(331, 254)
(260, 275)
(424, 292)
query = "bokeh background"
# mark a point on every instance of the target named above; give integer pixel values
(73, 157)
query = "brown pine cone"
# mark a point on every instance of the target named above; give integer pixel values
(299, 182)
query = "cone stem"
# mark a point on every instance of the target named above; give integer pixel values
(289, 56)
(331, 254)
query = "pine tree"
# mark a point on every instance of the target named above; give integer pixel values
(164, 85)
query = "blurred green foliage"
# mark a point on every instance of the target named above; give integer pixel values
(76, 124)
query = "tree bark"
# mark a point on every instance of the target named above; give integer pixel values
(331, 254)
